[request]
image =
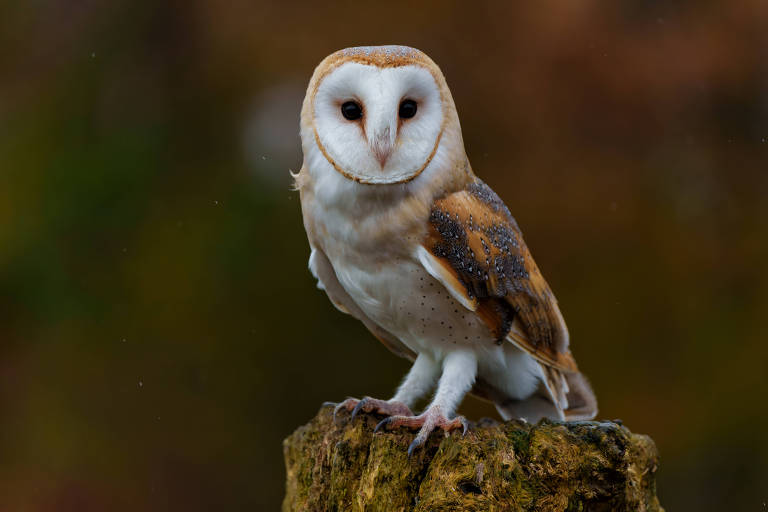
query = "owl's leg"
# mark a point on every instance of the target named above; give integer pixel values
(419, 381)
(459, 372)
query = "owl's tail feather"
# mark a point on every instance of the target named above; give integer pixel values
(571, 390)
(582, 403)
(532, 409)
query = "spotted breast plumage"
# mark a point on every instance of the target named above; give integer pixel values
(405, 238)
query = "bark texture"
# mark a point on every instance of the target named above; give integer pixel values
(549, 466)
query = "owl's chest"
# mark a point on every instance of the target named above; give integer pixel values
(373, 264)
(404, 299)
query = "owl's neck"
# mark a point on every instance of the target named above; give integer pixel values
(365, 216)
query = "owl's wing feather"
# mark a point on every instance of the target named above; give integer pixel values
(475, 249)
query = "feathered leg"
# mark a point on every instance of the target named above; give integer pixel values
(459, 372)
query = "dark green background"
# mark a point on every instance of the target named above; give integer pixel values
(160, 333)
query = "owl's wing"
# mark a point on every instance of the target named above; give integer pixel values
(321, 268)
(475, 248)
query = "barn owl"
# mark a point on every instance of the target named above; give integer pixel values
(405, 238)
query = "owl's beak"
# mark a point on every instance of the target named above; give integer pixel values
(382, 144)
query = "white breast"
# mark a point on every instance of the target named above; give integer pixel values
(404, 299)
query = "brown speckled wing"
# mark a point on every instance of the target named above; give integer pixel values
(476, 249)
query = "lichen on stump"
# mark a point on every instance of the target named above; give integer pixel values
(549, 466)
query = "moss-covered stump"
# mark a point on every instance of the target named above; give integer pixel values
(550, 466)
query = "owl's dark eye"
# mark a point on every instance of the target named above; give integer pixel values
(351, 110)
(407, 109)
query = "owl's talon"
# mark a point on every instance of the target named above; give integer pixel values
(426, 422)
(417, 442)
(357, 408)
(347, 404)
(382, 424)
(368, 404)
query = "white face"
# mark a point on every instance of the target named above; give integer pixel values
(378, 125)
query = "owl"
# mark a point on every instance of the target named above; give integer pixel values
(408, 240)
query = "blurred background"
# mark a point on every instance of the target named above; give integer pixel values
(160, 333)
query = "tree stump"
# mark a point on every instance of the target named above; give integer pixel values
(549, 466)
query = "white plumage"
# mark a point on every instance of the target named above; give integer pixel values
(408, 240)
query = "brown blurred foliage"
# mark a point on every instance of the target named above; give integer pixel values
(159, 331)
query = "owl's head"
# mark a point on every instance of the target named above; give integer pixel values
(377, 114)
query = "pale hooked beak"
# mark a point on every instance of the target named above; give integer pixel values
(382, 143)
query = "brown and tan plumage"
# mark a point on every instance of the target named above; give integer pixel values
(475, 239)
(409, 241)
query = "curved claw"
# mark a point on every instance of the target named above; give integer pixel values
(417, 442)
(464, 425)
(341, 405)
(329, 404)
(382, 424)
(358, 407)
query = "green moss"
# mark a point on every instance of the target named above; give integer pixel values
(551, 466)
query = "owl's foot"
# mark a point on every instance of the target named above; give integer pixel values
(426, 422)
(368, 404)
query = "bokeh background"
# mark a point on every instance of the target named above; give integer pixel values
(160, 333)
